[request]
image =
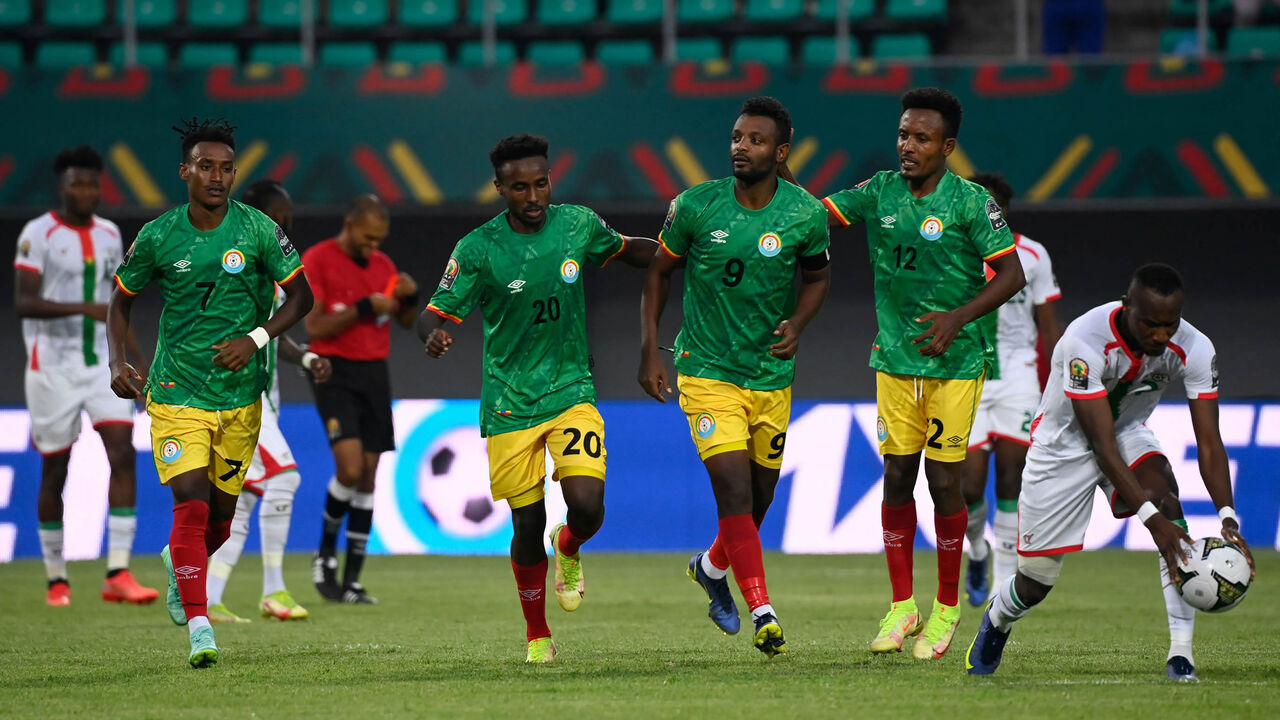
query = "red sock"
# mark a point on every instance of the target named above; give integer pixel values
(215, 534)
(187, 551)
(718, 556)
(950, 530)
(531, 581)
(742, 545)
(570, 542)
(899, 524)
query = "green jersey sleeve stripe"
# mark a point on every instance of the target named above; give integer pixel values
(124, 289)
(835, 210)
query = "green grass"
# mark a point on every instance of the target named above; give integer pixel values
(448, 641)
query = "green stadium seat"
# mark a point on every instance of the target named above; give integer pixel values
(916, 9)
(858, 9)
(280, 14)
(563, 13)
(150, 13)
(1183, 41)
(505, 12)
(214, 14)
(416, 53)
(75, 13)
(821, 50)
(357, 13)
(348, 54)
(1185, 10)
(768, 50)
(471, 53)
(703, 11)
(203, 55)
(1254, 42)
(909, 46)
(556, 52)
(773, 10)
(698, 49)
(10, 55)
(634, 12)
(427, 13)
(276, 53)
(18, 12)
(150, 54)
(625, 52)
(59, 54)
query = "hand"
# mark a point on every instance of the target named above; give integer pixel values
(321, 369)
(943, 328)
(97, 311)
(653, 376)
(405, 286)
(235, 353)
(383, 305)
(123, 377)
(786, 348)
(1172, 541)
(438, 342)
(1231, 533)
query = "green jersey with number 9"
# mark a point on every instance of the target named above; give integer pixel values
(217, 285)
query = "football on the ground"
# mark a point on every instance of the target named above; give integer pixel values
(1215, 577)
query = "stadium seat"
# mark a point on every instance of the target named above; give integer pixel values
(416, 53)
(1185, 10)
(563, 13)
(471, 53)
(505, 12)
(904, 10)
(556, 52)
(357, 13)
(858, 9)
(203, 55)
(698, 49)
(1182, 41)
(10, 55)
(18, 12)
(1254, 42)
(150, 13)
(57, 54)
(348, 54)
(703, 11)
(768, 50)
(212, 14)
(773, 10)
(74, 13)
(821, 50)
(280, 14)
(150, 54)
(634, 12)
(625, 52)
(910, 46)
(276, 53)
(427, 13)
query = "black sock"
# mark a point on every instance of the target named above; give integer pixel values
(334, 511)
(358, 526)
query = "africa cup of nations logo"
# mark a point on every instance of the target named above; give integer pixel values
(233, 261)
(569, 270)
(770, 244)
(931, 229)
(170, 449)
(704, 425)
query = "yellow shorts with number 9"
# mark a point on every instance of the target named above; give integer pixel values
(186, 438)
(518, 461)
(922, 413)
(724, 417)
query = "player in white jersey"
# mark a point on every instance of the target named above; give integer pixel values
(1109, 370)
(63, 268)
(1009, 400)
(273, 477)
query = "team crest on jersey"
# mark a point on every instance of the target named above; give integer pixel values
(1079, 370)
(931, 229)
(994, 215)
(882, 430)
(129, 253)
(770, 244)
(569, 271)
(450, 274)
(233, 261)
(170, 450)
(704, 425)
(286, 246)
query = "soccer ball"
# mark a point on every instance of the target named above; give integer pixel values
(453, 485)
(1215, 578)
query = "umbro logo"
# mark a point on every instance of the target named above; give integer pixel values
(947, 543)
(186, 572)
(183, 265)
(718, 236)
(887, 221)
(530, 593)
(893, 539)
(516, 286)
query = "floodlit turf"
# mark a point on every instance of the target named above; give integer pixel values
(447, 640)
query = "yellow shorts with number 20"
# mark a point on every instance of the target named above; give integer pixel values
(518, 460)
(185, 438)
(923, 413)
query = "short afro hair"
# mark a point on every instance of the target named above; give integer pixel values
(195, 131)
(997, 185)
(932, 98)
(83, 157)
(517, 147)
(262, 192)
(1158, 277)
(764, 106)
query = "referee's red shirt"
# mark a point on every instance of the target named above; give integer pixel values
(338, 282)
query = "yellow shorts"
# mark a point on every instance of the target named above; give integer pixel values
(921, 413)
(187, 438)
(518, 461)
(724, 417)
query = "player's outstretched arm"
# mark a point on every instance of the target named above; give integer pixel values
(657, 287)
(638, 251)
(1094, 415)
(941, 328)
(813, 291)
(1215, 469)
(126, 382)
(234, 354)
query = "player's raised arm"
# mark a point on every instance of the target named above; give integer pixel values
(657, 287)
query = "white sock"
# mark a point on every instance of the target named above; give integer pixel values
(273, 522)
(1005, 527)
(55, 565)
(765, 609)
(976, 532)
(712, 571)
(1006, 607)
(1182, 617)
(196, 623)
(225, 559)
(120, 531)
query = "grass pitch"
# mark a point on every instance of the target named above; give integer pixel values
(447, 640)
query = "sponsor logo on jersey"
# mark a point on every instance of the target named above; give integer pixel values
(450, 274)
(955, 441)
(882, 430)
(931, 229)
(569, 270)
(994, 215)
(770, 244)
(286, 247)
(233, 261)
(170, 450)
(704, 425)
(887, 222)
(718, 236)
(183, 265)
(1079, 370)
(516, 286)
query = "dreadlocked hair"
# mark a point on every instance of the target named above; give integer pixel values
(196, 130)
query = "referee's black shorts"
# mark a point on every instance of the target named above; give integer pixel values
(356, 403)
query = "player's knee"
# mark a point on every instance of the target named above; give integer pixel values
(121, 458)
(277, 498)
(1037, 574)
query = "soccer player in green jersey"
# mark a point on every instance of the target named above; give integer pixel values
(523, 269)
(928, 232)
(741, 240)
(217, 262)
